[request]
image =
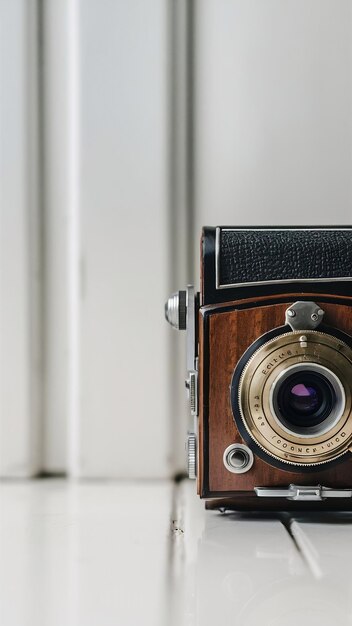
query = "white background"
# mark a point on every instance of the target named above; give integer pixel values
(118, 140)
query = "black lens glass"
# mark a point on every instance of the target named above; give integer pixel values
(305, 399)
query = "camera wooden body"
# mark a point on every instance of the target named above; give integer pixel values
(225, 332)
(247, 285)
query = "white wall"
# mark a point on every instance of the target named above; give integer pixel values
(60, 208)
(273, 112)
(97, 214)
(123, 203)
(106, 130)
(20, 289)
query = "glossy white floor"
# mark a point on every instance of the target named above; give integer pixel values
(111, 554)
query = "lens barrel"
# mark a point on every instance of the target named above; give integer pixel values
(307, 399)
(304, 399)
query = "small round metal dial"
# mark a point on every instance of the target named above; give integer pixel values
(238, 458)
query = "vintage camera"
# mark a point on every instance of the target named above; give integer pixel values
(269, 360)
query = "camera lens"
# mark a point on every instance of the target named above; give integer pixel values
(305, 399)
(292, 397)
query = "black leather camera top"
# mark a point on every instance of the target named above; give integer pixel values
(244, 262)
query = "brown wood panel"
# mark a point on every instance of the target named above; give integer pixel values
(200, 451)
(230, 334)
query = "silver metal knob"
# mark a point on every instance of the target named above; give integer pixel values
(238, 458)
(176, 310)
(192, 455)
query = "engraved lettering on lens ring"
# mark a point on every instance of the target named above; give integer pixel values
(326, 356)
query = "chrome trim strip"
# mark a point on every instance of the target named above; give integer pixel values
(302, 492)
(268, 282)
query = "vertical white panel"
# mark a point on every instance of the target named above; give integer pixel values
(121, 424)
(19, 240)
(273, 112)
(58, 110)
(180, 224)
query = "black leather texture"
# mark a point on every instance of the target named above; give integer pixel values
(247, 256)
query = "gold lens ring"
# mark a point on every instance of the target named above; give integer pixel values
(258, 377)
(309, 361)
